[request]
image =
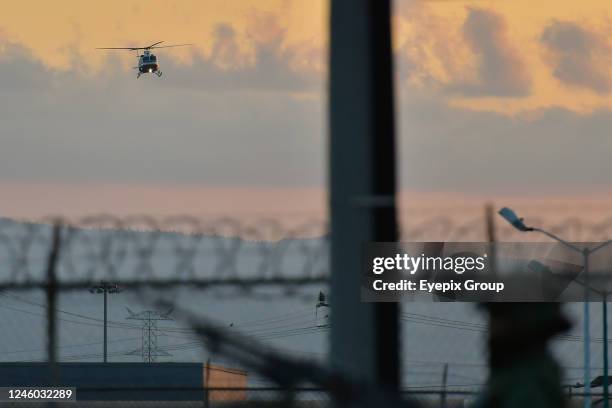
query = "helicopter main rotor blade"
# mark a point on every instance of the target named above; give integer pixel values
(120, 48)
(174, 45)
(153, 45)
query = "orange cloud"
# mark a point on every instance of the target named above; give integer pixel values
(78, 27)
(500, 69)
(437, 51)
(491, 57)
(579, 56)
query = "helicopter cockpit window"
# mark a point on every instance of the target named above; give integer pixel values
(145, 58)
(153, 58)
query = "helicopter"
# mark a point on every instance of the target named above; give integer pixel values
(147, 61)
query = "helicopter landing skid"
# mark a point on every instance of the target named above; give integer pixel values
(138, 75)
(158, 73)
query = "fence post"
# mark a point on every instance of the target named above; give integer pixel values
(444, 382)
(490, 223)
(491, 235)
(207, 385)
(52, 260)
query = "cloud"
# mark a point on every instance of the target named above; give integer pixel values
(430, 53)
(469, 58)
(111, 128)
(578, 56)
(552, 150)
(73, 127)
(225, 51)
(269, 64)
(20, 71)
(499, 69)
(245, 114)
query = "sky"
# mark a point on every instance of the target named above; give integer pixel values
(494, 98)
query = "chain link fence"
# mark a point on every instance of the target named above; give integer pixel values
(166, 263)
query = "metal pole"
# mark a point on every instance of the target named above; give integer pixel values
(105, 288)
(490, 223)
(149, 354)
(491, 238)
(207, 385)
(444, 381)
(51, 304)
(362, 183)
(606, 403)
(382, 140)
(587, 333)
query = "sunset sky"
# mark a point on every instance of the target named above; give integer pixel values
(495, 97)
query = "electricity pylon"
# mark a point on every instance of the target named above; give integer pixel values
(149, 349)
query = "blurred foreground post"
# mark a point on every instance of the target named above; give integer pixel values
(364, 337)
(523, 372)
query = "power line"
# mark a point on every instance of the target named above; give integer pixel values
(112, 323)
(474, 327)
(272, 319)
(69, 346)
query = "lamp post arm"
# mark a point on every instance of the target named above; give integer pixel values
(561, 240)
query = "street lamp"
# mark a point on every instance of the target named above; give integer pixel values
(513, 219)
(105, 288)
(510, 216)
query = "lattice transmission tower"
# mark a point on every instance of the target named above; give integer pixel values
(149, 348)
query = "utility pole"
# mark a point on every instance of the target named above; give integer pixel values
(105, 288)
(149, 349)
